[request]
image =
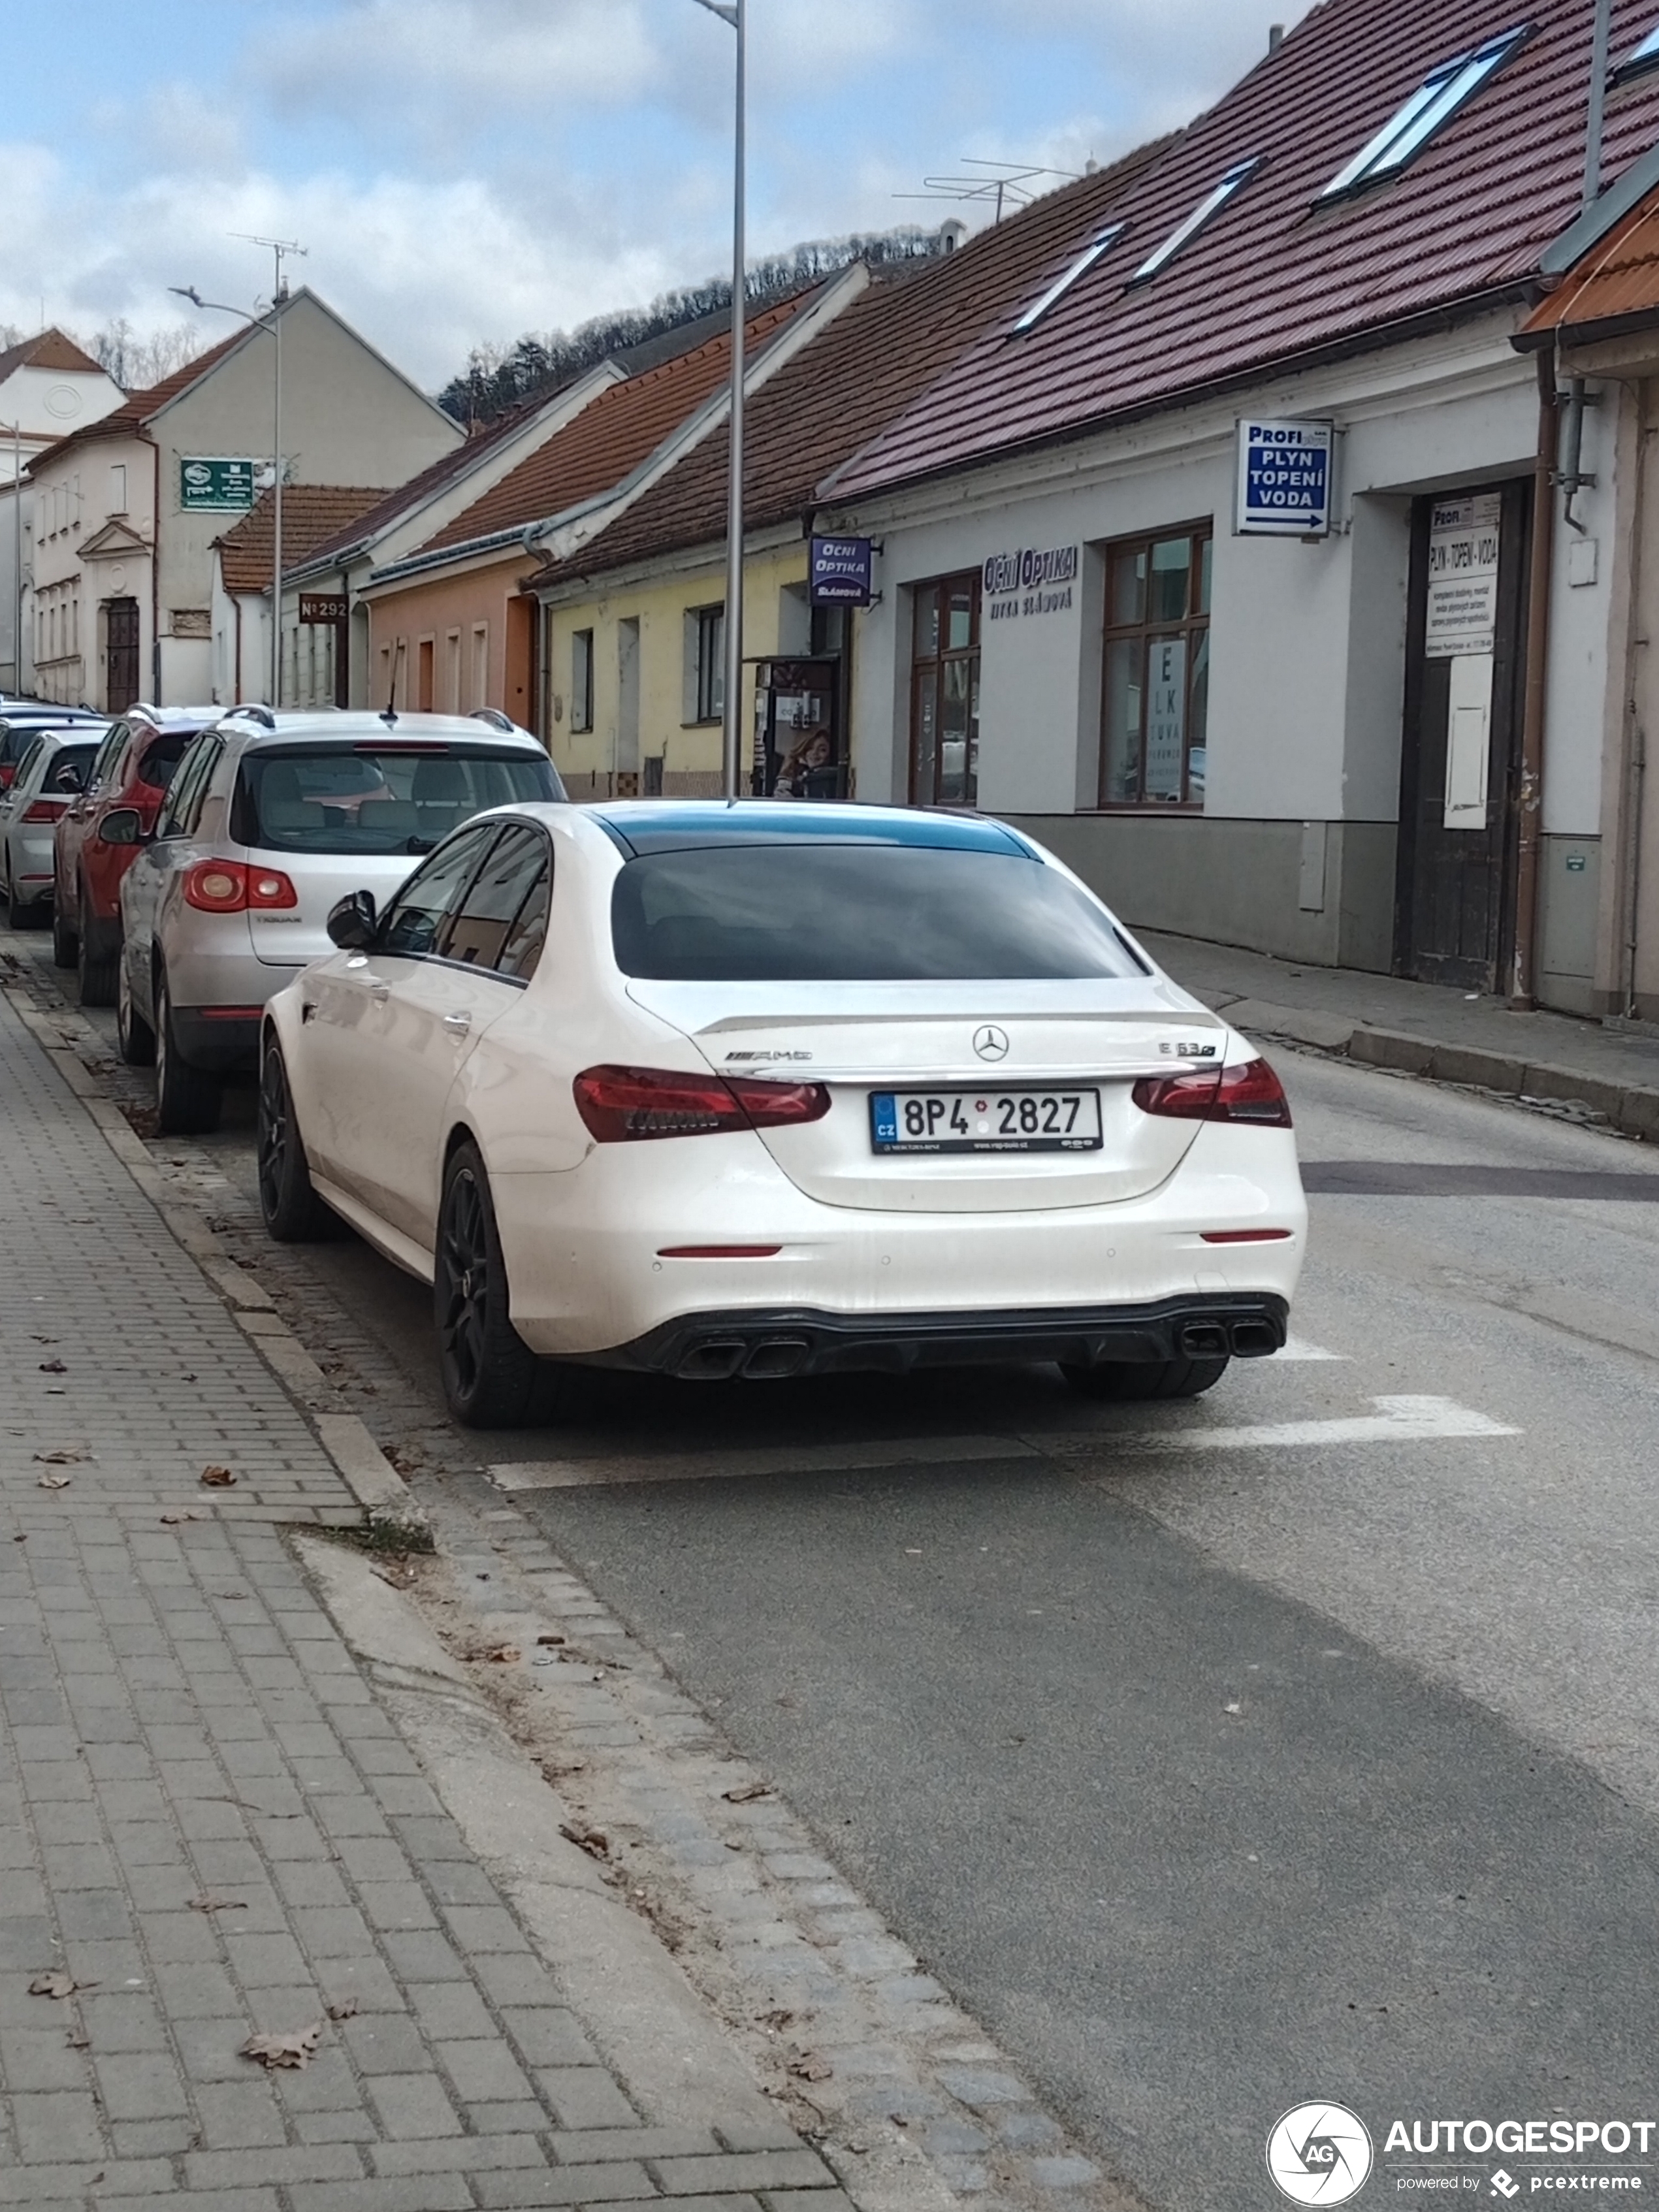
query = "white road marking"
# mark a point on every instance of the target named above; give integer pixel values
(1396, 1421)
(1298, 1348)
(788, 1459)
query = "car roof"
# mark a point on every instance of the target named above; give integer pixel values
(359, 727)
(680, 826)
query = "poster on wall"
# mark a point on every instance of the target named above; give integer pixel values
(1462, 588)
(219, 486)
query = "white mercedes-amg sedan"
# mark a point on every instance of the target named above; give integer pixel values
(762, 1090)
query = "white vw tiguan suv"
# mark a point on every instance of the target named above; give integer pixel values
(268, 819)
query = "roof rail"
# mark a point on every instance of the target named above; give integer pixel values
(256, 712)
(494, 716)
(142, 707)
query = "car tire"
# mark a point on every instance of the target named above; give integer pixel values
(97, 971)
(65, 945)
(491, 1378)
(135, 1040)
(188, 1100)
(1126, 1380)
(293, 1213)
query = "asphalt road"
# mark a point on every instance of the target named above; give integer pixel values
(1214, 1774)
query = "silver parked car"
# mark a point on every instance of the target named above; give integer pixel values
(50, 775)
(269, 820)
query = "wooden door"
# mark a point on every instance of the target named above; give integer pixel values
(121, 647)
(1459, 761)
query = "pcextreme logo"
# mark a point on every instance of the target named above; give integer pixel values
(1319, 2154)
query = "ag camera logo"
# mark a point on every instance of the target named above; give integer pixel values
(1320, 2154)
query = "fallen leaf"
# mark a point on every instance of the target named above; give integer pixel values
(53, 1367)
(1234, 1708)
(63, 1455)
(57, 1983)
(594, 1841)
(777, 2018)
(550, 1640)
(21, 1538)
(218, 1478)
(78, 2039)
(748, 1794)
(280, 2051)
(207, 1902)
(808, 2066)
(171, 1519)
(346, 2009)
(53, 1482)
(504, 1655)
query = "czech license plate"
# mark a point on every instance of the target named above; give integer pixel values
(985, 1120)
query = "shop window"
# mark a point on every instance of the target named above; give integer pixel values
(581, 680)
(944, 692)
(1157, 670)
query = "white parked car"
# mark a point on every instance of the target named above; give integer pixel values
(268, 819)
(746, 1090)
(51, 776)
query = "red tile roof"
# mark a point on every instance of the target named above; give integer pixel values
(50, 348)
(857, 373)
(310, 514)
(1272, 280)
(611, 437)
(1614, 286)
(138, 406)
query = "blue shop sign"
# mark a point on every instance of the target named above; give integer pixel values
(839, 572)
(1284, 478)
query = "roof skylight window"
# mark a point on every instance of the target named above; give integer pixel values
(1183, 232)
(1646, 57)
(1062, 284)
(1436, 101)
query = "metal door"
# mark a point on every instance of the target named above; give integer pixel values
(1459, 761)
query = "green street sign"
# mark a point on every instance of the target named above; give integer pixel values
(227, 486)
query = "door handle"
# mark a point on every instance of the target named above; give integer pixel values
(457, 1024)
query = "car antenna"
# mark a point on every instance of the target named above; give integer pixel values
(390, 714)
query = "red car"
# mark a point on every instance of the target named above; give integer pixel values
(138, 755)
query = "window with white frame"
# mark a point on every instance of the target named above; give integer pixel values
(710, 664)
(581, 679)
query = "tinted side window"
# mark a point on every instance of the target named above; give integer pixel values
(477, 931)
(156, 764)
(30, 755)
(189, 788)
(409, 930)
(108, 753)
(522, 951)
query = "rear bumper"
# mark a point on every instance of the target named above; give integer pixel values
(762, 1345)
(218, 1043)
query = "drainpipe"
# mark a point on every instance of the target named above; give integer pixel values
(154, 575)
(1636, 736)
(1523, 979)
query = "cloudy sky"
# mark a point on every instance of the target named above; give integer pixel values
(465, 170)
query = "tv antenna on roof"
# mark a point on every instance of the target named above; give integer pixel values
(1007, 183)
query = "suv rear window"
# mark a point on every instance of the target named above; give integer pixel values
(359, 799)
(888, 914)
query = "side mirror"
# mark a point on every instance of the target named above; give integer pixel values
(122, 825)
(352, 923)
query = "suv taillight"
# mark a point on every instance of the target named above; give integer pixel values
(623, 1105)
(232, 886)
(45, 809)
(1249, 1092)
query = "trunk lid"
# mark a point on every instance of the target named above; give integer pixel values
(860, 1039)
(292, 936)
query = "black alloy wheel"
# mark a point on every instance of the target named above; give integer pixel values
(1124, 1380)
(97, 970)
(491, 1378)
(294, 1214)
(188, 1100)
(135, 1039)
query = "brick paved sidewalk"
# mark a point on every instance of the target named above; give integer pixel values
(208, 1821)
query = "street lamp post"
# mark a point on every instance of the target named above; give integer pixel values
(732, 12)
(279, 247)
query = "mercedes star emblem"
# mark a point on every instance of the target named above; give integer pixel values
(990, 1042)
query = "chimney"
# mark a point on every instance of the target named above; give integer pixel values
(1275, 37)
(951, 233)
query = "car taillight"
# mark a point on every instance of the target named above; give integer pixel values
(231, 886)
(1249, 1092)
(620, 1104)
(45, 809)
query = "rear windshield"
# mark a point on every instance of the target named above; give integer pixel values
(356, 798)
(76, 758)
(889, 913)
